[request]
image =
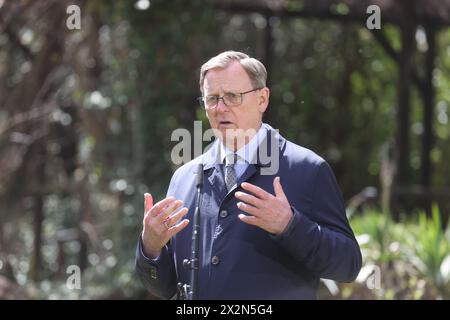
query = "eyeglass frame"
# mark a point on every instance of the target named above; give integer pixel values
(204, 106)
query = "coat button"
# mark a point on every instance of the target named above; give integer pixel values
(153, 273)
(223, 213)
(215, 260)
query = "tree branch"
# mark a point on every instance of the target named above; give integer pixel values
(384, 42)
(381, 38)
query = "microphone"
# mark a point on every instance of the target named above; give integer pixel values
(189, 292)
(199, 176)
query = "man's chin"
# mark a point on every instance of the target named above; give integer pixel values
(234, 137)
(225, 134)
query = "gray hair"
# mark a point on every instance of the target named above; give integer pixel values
(254, 68)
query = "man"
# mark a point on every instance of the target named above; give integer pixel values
(263, 236)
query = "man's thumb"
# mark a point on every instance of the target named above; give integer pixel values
(278, 188)
(148, 202)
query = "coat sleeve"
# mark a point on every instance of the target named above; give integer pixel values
(322, 238)
(158, 275)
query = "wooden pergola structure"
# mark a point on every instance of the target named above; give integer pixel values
(407, 16)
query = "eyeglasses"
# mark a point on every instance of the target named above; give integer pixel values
(230, 99)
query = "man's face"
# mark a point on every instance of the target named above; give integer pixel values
(246, 116)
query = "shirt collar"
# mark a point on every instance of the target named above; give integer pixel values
(247, 152)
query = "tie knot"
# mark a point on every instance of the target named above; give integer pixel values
(231, 159)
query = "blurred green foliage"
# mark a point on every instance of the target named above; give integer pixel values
(411, 258)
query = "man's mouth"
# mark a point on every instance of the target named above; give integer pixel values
(225, 122)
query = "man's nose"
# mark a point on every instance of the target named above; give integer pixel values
(221, 106)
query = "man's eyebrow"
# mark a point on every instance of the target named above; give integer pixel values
(225, 92)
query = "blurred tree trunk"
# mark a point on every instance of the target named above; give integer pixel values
(428, 97)
(7, 269)
(85, 220)
(36, 260)
(427, 93)
(135, 122)
(402, 155)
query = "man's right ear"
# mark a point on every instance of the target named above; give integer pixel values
(264, 99)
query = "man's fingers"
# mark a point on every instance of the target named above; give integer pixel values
(248, 208)
(157, 208)
(148, 202)
(278, 188)
(169, 209)
(257, 191)
(248, 198)
(249, 219)
(178, 227)
(172, 220)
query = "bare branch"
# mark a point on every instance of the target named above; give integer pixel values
(384, 42)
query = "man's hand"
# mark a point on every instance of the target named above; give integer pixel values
(269, 212)
(160, 223)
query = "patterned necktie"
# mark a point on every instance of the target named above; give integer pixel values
(230, 172)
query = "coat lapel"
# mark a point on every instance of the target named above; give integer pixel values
(213, 170)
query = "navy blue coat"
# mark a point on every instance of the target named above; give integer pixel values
(241, 261)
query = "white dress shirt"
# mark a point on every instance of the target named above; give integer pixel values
(246, 154)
